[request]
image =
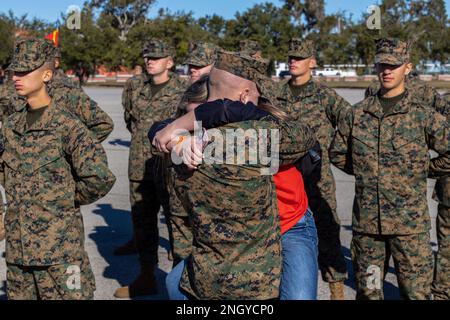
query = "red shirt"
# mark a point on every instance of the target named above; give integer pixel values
(291, 196)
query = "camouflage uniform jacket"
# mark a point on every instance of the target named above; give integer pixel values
(236, 251)
(388, 154)
(141, 111)
(48, 171)
(319, 107)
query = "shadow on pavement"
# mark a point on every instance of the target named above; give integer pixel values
(347, 227)
(120, 142)
(118, 231)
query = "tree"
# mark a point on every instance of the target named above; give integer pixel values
(6, 39)
(89, 46)
(126, 13)
(310, 11)
(264, 23)
(214, 25)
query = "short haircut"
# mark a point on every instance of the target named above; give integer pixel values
(49, 65)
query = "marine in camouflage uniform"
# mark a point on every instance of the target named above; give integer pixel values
(148, 190)
(251, 47)
(200, 59)
(236, 252)
(429, 96)
(49, 168)
(319, 106)
(201, 55)
(69, 96)
(387, 152)
(441, 282)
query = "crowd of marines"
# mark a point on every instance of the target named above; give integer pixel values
(222, 218)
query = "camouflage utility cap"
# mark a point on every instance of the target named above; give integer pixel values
(201, 54)
(247, 67)
(301, 48)
(157, 49)
(392, 51)
(242, 65)
(250, 47)
(31, 54)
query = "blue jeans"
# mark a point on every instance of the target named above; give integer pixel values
(300, 261)
(173, 280)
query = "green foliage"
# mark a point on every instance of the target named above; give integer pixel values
(6, 39)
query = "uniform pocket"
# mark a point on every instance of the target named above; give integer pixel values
(399, 141)
(363, 140)
(410, 151)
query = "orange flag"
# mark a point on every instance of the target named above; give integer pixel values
(54, 36)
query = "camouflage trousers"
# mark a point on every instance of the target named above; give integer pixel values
(413, 260)
(72, 281)
(441, 282)
(147, 197)
(181, 227)
(322, 201)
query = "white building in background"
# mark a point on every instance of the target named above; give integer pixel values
(281, 67)
(433, 67)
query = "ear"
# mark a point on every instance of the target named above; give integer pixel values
(312, 63)
(47, 75)
(170, 63)
(244, 96)
(408, 69)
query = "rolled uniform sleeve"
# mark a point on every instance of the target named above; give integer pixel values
(90, 166)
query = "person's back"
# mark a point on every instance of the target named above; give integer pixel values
(231, 198)
(237, 253)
